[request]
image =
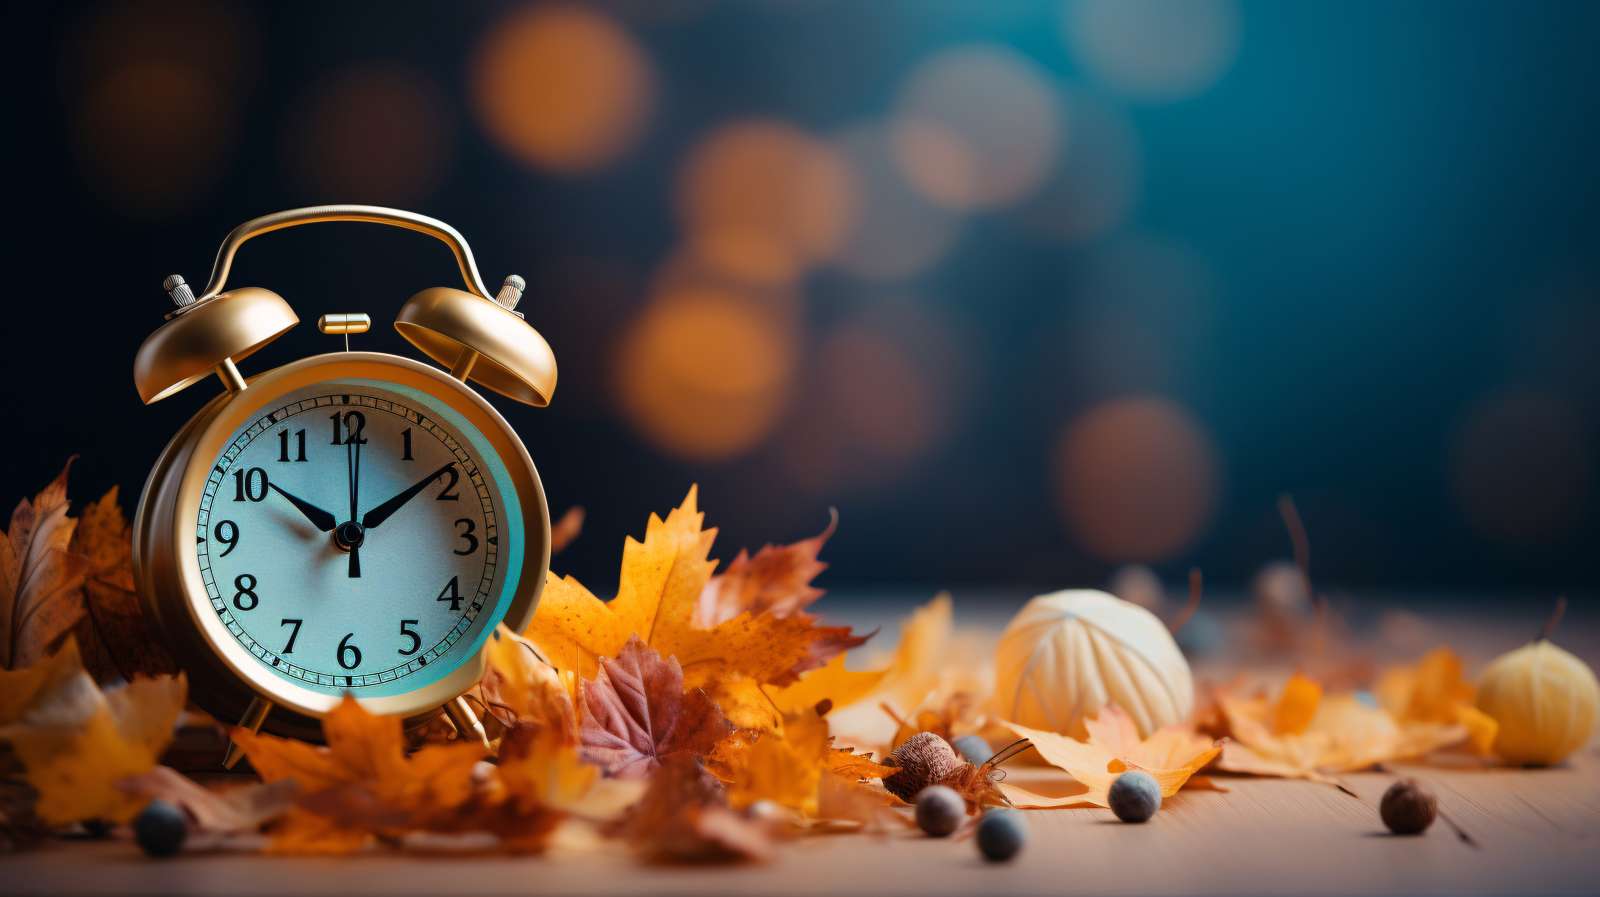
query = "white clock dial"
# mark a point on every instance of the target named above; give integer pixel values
(352, 537)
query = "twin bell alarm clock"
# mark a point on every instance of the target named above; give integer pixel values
(350, 523)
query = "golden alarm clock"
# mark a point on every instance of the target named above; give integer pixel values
(349, 523)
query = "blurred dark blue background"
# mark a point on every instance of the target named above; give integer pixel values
(1026, 289)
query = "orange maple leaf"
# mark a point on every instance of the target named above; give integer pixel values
(661, 582)
(77, 742)
(777, 579)
(1305, 734)
(363, 784)
(1171, 755)
(118, 638)
(1435, 690)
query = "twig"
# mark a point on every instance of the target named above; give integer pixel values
(1299, 539)
(1196, 586)
(1554, 620)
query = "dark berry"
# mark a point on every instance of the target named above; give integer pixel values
(1408, 808)
(160, 829)
(1001, 834)
(1135, 796)
(940, 810)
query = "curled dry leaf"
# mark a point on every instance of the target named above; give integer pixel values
(76, 742)
(684, 817)
(41, 580)
(661, 583)
(222, 811)
(1172, 755)
(1435, 690)
(637, 712)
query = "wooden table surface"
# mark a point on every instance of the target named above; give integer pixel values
(1538, 832)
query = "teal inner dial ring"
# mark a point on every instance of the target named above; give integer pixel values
(359, 536)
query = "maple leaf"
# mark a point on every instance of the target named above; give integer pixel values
(77, 742)
(637, 712)
(1307, 735)
(1171, 755)
(363, 783)
(661, 581)
(517, 681)
(1435, 690)
(40, 579)
(117, 637)
(684, 817)
(919, 663)
(833, 683)
(783, 766)
(777, 579)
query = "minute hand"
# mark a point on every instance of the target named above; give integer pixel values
(383, 512)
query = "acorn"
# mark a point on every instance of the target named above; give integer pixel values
(923, 759)
(1408, 808)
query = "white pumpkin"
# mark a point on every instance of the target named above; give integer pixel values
(1067, 654)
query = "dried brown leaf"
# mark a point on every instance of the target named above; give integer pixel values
(637, 712)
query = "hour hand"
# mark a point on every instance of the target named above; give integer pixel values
(382, 512)
(319, 518)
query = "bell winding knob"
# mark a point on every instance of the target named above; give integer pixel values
(511, 292)
(182, 296)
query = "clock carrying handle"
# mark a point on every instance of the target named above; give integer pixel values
(288, 218)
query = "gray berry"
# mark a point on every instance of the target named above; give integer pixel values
(973, 749)
(161, 829)
(940, 810)
(1135, 796)
(1001, 834)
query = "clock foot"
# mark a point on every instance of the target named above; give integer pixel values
(253, 717)
(466, 722)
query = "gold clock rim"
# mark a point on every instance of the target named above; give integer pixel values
(197, 457)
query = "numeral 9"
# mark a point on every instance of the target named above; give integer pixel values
(226, 532)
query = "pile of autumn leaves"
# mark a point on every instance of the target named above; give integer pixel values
(695, 716)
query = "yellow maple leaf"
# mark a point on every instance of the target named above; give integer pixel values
(832, 683)
(1342, 734)
(660, 585)
(920, 660)
(1171, 755)
(1435, 690)
(77, 742)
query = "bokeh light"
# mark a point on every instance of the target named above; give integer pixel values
(886, 388)
(1139, 478)
(1523, 466)
(153, 129)
(562, 87)
(762, 199)
(704, 374)
(976, 127)
(1154, 49)
(896, 232)
(1095, 186)
(377, 133)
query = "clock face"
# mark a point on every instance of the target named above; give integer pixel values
(358, 536)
